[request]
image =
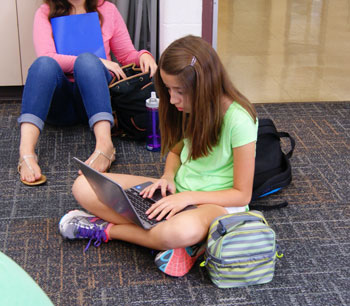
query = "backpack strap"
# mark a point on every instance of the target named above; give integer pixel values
(292, 143)
(269, 207)
(266, 126)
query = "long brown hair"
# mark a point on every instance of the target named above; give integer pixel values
(205, 82)
(63, 8)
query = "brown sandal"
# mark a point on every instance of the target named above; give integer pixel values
(24, 160)
(110, 158)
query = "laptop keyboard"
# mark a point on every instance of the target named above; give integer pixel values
(141, 205)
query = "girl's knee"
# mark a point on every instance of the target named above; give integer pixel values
(81, 189)
(175, 235)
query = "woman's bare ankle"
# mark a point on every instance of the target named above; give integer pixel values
(102, 158)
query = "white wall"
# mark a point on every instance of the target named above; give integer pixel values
(178, 18)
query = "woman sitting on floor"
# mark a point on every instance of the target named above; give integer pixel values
(66, 89)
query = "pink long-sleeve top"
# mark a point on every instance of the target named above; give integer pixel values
(115, 36)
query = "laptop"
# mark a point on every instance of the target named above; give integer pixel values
(126, 202)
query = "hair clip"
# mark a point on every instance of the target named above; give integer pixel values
(194, 60)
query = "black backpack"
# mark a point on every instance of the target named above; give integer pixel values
(272, 166)
(128, 99)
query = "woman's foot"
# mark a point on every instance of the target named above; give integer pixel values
(101, 160)
(29, 170)
(104, 154)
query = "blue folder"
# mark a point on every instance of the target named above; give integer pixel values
(76, 34)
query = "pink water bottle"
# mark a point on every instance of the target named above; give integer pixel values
(153, 134)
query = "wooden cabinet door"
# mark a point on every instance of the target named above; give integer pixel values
(26, 10)
(10, 62)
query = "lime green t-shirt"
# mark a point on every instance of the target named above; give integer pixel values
(215, 171)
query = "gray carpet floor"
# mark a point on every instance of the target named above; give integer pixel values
(313, 230)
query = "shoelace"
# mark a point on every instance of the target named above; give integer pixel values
(92, 233)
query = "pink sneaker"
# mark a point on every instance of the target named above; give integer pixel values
(178, 262)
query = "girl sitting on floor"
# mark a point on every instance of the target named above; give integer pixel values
(208, 131)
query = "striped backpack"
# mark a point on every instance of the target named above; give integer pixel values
(241, 250)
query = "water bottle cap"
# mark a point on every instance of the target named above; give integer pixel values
(153, 101)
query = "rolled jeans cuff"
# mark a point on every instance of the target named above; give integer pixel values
(102, 116)
(30, 118)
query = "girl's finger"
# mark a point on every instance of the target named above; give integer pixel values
(171, 213)
(154, 213)
(152, 208)
(163, 213)
(164, 189)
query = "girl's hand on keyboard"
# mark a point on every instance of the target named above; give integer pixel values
(163, 184)
(169, 206)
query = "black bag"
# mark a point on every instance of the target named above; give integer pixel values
(272, 166)
(128, 98)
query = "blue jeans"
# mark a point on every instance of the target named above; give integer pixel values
(49, 96)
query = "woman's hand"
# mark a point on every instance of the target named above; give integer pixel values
(169, 206)
(114, 67)
(148, 64)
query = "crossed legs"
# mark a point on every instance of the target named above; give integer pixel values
(184, 229)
